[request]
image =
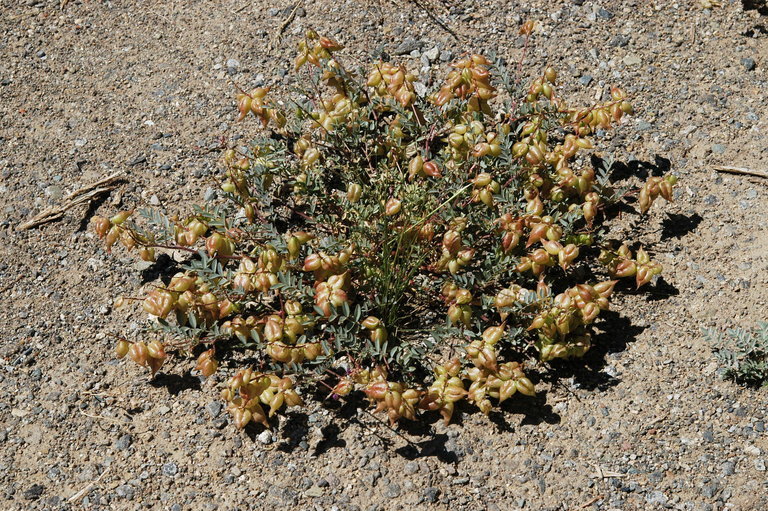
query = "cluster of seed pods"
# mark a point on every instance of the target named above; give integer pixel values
(388, 80)
(468, 80)
(620, 263)
(561, 326)
(248, 392)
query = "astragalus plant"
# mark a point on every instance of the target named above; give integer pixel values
(417, 246)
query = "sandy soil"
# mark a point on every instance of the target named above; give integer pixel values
(643, 422)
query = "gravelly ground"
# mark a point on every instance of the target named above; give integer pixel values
(147, 88)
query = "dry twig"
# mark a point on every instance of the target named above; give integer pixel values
(78, 495)
(81, 196)
(592, 501)
(284, 24)
(741, 170)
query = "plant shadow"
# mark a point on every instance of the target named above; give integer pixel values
(164, 267)
(755, 5)
(176, 383)
(677, 226)
(587, 372)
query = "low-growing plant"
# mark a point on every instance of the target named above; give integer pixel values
(742, 353)
(420, 247)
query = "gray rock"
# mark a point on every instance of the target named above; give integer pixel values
(432, 54)
(604, 13)
(314, 491)
(656, 498)
(585, 80)
(234, 63)
(710, 490)
(445, 56)
(728, 468)
(619, 41)
(34, 492)
(137, 160)
(53, 191)
(411, 468)
(265, 437)
(392, 491)
(210, 194)
(214, 408)
(126, 491)
(718, 148)
(124, 442)
(632, 60)
(748, 63)
(170, 469)
(430, 494)
(408, 45)
(644, 126)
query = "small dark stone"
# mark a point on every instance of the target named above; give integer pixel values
(604, 13)
(430, 494)
(708, 436)
(408, 45)
(748, 63)
(619, 40)
(585, 80)
(322, 483)
(139, 159)
(728, 468)
(34, 492)
(709, 490)
(759, 426)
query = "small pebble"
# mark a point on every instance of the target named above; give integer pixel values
(748, 63)
(170, 469)
(265, 437)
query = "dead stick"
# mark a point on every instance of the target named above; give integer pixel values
(76, 496)
(107, 180)
(741, 170)
(83, 195)
(285, 24)
(595, 499)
